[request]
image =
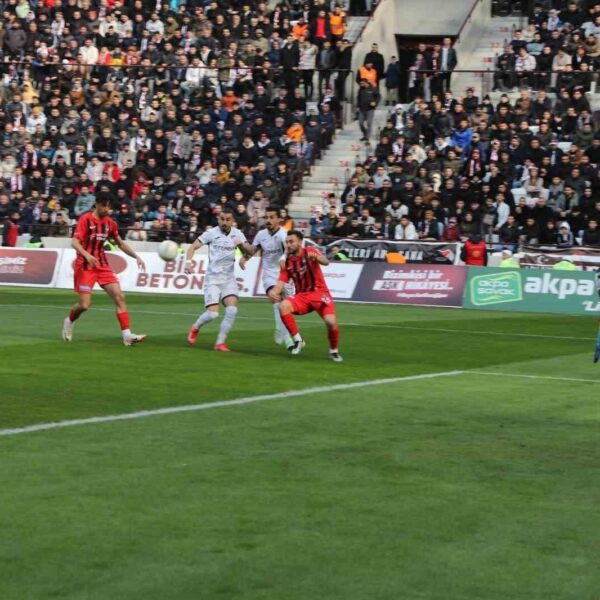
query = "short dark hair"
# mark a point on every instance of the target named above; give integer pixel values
(273, 210)
(102, 200)
(227, 211)
(297, 233)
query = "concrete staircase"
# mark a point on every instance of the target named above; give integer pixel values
(490, 44)
(330, 173)
(355, 25)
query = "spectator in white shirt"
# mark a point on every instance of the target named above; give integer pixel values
(592, 27)
(89, 52)
(405, 230)
(561, 60)
(194, 76)
(525, 64)
(502, 210)
(380, 176)
(155, 25)
(94, 170)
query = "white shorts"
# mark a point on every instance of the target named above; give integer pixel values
(269, 282)
(214, 292)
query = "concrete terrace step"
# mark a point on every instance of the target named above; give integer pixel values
(325, 170)
(354, 26)
(316, 186)
(348, 149)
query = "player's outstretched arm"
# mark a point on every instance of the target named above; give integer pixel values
(91, 260)
(123, 245)
(247, 248)
(257, 250)
(190, 254)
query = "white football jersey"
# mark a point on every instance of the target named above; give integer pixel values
(221, 251)
(272, 246)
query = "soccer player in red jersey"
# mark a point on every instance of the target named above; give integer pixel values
(303, 268)
(91, 266)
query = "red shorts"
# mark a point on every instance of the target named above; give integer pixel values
(86, 278)
(306, 302)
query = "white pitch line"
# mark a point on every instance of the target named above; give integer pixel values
(343, 324)
(445, 330)
(221, 404)
(543, 377)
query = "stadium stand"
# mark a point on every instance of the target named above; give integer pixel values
(172, 109)
(512, 156)
(177, 109)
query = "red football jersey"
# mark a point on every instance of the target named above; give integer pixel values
(92, 233)
(305, 273)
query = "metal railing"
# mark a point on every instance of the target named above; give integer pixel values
(431, 82)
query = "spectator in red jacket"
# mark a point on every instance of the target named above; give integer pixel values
(11, 230)
(451, 232)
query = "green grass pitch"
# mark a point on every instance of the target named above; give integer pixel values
(480, 485)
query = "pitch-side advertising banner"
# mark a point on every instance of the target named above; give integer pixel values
(341, 278)
(540, 257)
(531, 290)
(484, 288)
(446, 253)
(159, 276)
(29, 267)
(411, 284)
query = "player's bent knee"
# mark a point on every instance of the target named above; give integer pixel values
(285, 307)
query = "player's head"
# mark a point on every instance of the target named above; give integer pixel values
(102, 206)
(226, 220)
(294, 241)
(273, 220)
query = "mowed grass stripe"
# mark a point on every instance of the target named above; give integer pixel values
(142, 414)
(342, 323)
(45, 380)
(333, 496)
(221, 404)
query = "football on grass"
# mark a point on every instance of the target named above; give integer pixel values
(167, 250)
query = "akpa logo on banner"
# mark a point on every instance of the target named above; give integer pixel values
(496, 288)
(561, 287)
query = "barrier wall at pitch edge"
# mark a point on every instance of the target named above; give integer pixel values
(531, 290)
(481, 288)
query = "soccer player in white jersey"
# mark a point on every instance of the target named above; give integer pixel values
(270, 242)
(220, 284)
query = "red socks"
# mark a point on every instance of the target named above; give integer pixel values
(290, 323)
(334, 337)
(73, 316)
(123, 319)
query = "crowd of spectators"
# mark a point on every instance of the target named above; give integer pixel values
(177, 110)
(522, 169)
(173, 109)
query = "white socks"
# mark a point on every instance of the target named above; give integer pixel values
(226, 323)
(126, 333)
(206, 317)
(278, 322)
